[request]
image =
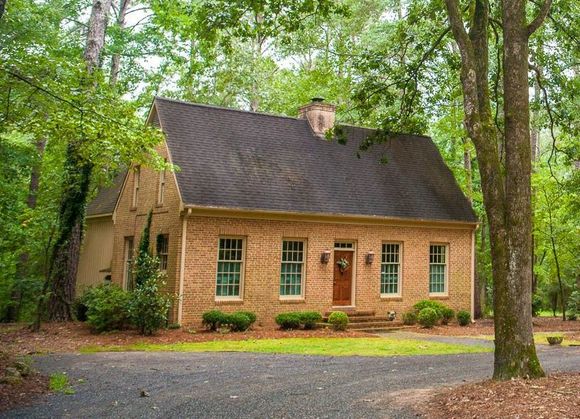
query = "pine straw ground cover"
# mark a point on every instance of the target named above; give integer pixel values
(70, 337)
(25, 390)
(556, 396)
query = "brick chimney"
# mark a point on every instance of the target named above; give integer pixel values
(320, 115)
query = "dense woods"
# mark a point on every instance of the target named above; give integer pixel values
(495, 86)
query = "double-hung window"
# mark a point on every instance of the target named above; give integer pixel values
(230, 268)
(438, 269)
(391, 269)
(128, 271)
(163, 250)
(292, 269)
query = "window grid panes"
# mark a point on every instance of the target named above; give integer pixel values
(343, 245)
(163, 250)
(390, 268)
(229, 272)
(437, 268)
(292, 268)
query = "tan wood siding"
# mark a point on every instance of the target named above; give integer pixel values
(96, 253)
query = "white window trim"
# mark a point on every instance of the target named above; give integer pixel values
(445, 293)
(399, 294)
(242, 270)
(303, 276)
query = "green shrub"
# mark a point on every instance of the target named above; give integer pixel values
(80, 309)
(409, 318)
(573, 305)
(435, 305)
(251, 315)
(309, 319)
(106, 307)
(463, 317)
(447, 315)
(288, 321)
(173, 326)
(212, 319)
(237, 322)
(338, 320)
(148, 305)
(428, 317)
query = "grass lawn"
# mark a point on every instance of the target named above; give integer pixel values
(307, 346)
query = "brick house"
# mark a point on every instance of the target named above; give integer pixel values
(266, 215)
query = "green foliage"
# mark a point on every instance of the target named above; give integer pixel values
(428, 317)
(145, 266)
(309, 319)
(106, 307)
(59, 383)
(435, 305)
(537, 304)
(409, 318)
(250, 315)
(447, 315)
(338, 320)
(463, 318)
(149, 305)
(237, 322)
(213, 319)
(288, 321)
(573, 306)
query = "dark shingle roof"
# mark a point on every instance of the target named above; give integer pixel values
(244, 160)
(106, 199)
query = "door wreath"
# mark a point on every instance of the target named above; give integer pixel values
(343, 264)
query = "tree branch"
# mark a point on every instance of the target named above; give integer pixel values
(457, 27)
(539, 19)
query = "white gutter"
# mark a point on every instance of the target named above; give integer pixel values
(182, 264)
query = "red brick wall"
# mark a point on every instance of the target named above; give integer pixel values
(263, 258)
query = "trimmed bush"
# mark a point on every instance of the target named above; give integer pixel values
(338, 320)
(573, 305)
(106, 307)
(428, 317)
(251, 315)
(237, 322)
(148, 305)
(309, 319)
(409, 318)
(212, 319)
(448, 315)
(435, 305)
(463, 318)
(288, 321)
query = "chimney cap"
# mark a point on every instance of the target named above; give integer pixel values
(317, 99)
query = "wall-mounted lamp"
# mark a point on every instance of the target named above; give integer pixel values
(370, 257)
(325, 256)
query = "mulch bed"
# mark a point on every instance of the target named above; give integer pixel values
(556, 396)
(485, 327)
(70, 337)
(27, 391)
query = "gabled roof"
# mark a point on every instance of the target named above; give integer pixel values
(245, 160)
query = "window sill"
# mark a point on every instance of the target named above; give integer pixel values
(133, 209)
(292, 300)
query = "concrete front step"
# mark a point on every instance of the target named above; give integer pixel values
(363, 319)
(352, 313)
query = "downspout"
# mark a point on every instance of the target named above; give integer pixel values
(473, 274)
(182, 264)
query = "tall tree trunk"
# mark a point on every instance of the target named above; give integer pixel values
(22, 269)
(515, 353)
(116, 58)
(2, 7)
(65, 257)
(506, 198)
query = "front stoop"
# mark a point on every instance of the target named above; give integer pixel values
(368, 321)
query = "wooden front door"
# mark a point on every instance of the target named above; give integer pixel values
(342, 291)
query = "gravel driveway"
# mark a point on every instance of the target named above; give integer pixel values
(245, 385)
